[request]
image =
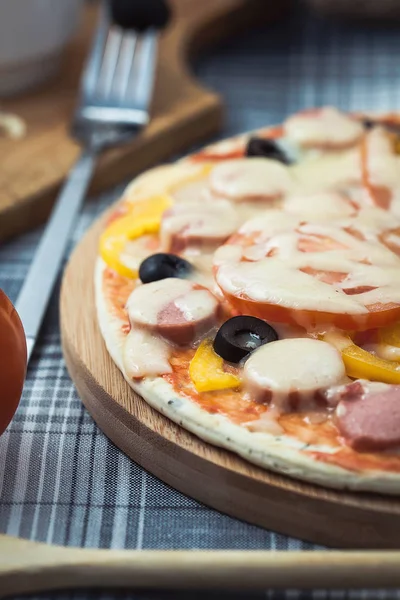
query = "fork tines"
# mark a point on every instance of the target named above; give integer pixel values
(118, 78)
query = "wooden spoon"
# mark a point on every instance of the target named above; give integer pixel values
(28, 567)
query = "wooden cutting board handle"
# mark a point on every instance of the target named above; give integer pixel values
(28, 567)
(183, 111)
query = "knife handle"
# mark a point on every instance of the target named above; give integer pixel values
(39, 283)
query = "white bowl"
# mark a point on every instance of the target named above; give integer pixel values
(33, 34)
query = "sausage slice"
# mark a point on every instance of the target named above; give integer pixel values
(293, 373)
(368, 417)
(177, 309)
(325, 128)
(206, 225)
(244, 179)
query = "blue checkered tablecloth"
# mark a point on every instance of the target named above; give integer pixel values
(61, 480)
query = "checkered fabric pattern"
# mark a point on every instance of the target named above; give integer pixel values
(61, 480)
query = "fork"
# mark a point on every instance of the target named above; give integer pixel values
(115, 94)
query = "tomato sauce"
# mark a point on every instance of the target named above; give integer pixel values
(355, 461)
(117, 289)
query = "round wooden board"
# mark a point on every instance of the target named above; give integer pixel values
(216, 477)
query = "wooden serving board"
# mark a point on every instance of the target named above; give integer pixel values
(213, 476)
(183, 112)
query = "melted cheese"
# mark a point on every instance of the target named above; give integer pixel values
(192, 191)
(145, 355)
(202, 269)
(147, 301)
(267, 423)
(383, 163)
(354, 249)
(162, 180)
(246, 178)
(282, 278)
(227, 254)
(303, 366)
(393, 239)
(198, 224)
(137, 250)
(275, 281)
(196, 305)
(385, 351)
(332, 171)
(224, 147)
(270, 223)
(326, 127)
(321, 206)
(336, 393)
(371, 221)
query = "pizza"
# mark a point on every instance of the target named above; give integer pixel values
(250, 292)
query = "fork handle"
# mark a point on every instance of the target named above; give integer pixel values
(38, 285)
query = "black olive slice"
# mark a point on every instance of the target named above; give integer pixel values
(257, 146)
(368, 123)
(390, 127)
(240, 335)
(162, 265)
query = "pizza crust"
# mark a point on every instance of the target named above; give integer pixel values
(282, 454)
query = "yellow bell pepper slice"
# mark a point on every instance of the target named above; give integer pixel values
(166, 179)
(390, 335)
(143, 218)
(361, 364)
(206, 370)
(204, 170)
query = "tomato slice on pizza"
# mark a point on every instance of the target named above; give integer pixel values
(312, 275)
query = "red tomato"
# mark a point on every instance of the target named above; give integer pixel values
(209, 155)
(13, 360)
(380, 196)
(378, 315)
